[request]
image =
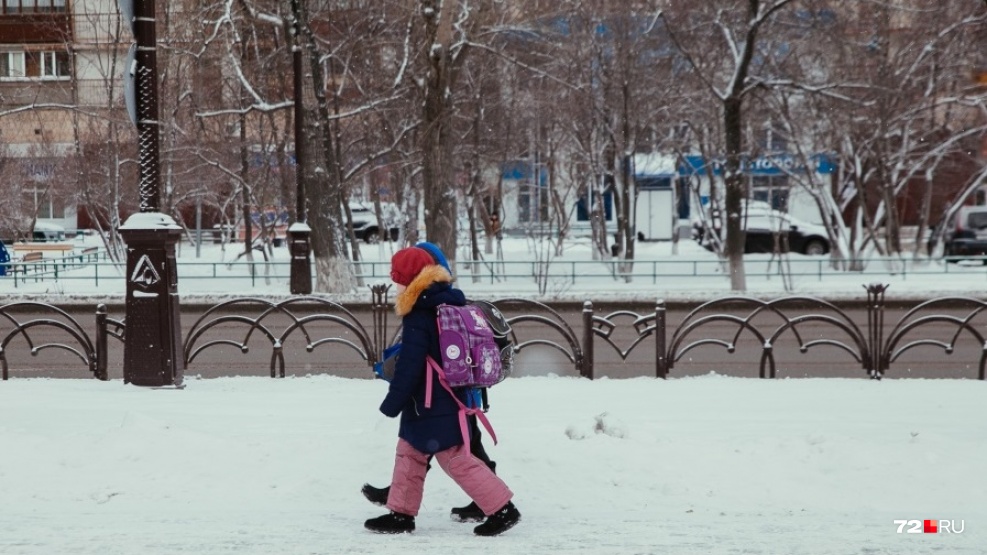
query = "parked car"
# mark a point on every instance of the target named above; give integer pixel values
(48, 233)
(44, 232)
(763, 223)
(965, 234)
(365, 225)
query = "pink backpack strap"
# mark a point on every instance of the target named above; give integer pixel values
(428, 381)
(463, 409)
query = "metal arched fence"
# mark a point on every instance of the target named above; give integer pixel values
(721, 326)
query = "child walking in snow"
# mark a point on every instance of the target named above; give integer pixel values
(470, 512)
(422, 286)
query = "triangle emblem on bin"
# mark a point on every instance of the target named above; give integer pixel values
(144, 273)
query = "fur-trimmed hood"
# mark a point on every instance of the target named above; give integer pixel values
(429, 275)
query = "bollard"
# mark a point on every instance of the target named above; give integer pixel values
(152, 353)
(301, 267)
(586, 368)
(661, 362)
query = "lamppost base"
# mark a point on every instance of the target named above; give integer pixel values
(152, 351)
(301, 266)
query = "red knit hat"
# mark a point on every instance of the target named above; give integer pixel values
(407, 263)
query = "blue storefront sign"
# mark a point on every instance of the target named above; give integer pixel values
(778, 164)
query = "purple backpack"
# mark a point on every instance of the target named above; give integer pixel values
(470, 355)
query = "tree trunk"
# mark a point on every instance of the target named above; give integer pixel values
(440, 193)
(735, 193)
(326, 191)
(441, 205)
(626, 218)
(248, 233)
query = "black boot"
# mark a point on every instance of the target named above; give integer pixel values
(499, 522)
(469, 513)
(391, 523)
(377, 496)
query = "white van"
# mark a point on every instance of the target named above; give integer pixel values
(48, 233)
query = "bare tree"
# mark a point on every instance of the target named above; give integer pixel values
(447, 26)
(729, 37)
(915, 120)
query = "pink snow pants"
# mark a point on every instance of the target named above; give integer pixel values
(408, 483)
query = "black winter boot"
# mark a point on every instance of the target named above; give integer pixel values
(469, 513)
(391, 523)
(499, 522)
(377, 496)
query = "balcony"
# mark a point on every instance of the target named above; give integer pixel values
(32, 28)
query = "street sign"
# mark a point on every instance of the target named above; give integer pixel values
(127, 13)
(129, 82)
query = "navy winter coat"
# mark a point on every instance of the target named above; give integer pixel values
(437, 428)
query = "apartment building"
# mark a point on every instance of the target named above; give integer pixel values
(60, 66)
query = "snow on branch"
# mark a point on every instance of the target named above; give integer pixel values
(407, 56)
(937, 152)
(827, 90)
(364, 108)
(262, 16)
(728, 36)
(654, 21)
(48, 106)
(259, 107)
(929, 48)
(761, 17)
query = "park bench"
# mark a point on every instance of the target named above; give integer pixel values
(22, 265)
(87, 255)
(43, 247)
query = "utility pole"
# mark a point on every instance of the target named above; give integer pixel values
(299, 232)
(152, 353)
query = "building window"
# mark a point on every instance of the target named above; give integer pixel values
(648, 182)
(772, 140)
(532, 203)
(34, 65)
(11, 65)
(586, 205)
(33, 6)
(771, 189)
(683, 194)
(54, 65)
(44, 206)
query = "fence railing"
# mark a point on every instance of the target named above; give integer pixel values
(94, 267)
(34, 267)
(720, 325)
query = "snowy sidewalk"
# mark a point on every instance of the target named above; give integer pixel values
(691, 465)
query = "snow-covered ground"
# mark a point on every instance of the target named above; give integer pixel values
(689, 465)
(662, 270)
(692, 465)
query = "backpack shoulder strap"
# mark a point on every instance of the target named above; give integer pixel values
(464, 411)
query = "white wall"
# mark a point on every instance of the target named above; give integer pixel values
(800, 202)
(655, 214)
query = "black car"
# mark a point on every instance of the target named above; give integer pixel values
(365, 226)
(764, 224)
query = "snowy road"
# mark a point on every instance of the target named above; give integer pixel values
(692, 465)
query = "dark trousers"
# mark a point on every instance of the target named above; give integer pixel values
(476, 448)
